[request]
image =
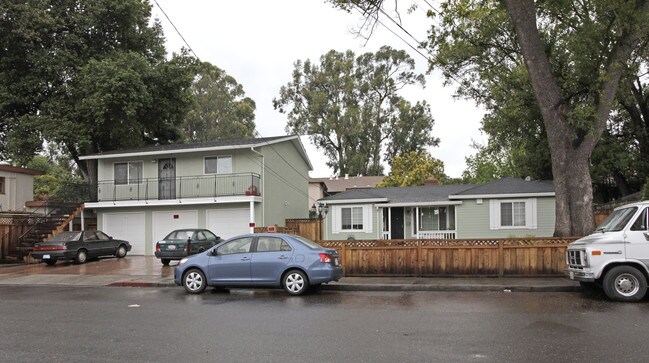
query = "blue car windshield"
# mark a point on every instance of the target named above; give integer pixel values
(617, 220)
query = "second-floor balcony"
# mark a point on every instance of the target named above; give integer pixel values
(180, 187)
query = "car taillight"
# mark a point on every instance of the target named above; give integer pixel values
(50, 248)
(157, 246)
(325, 258)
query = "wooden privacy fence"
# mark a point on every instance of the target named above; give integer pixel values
(465, 257)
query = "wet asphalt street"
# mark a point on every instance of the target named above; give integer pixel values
(109, 324)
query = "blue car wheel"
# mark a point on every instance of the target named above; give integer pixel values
(295, 282)
(194, 281)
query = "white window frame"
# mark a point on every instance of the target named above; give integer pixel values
(128, 172)
(218, 157)
(336, 214)
(531, 220)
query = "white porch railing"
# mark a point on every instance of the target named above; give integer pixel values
(436, 235)
(385, 235)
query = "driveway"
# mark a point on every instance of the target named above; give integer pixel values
(146, 270)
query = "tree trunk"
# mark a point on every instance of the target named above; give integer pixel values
(570, 165)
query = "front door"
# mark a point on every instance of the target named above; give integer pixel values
(396, 223)
(167, 178)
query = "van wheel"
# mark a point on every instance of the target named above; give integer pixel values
(165, 261)
(625, 283)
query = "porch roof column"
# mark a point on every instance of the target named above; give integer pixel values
(252, 216)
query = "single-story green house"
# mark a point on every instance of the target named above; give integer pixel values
(503, 208)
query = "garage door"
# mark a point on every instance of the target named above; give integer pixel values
(165, 222)
(126, 226)
(228, 223)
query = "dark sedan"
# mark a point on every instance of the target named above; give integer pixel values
(260, 260)
(184, 242)
(79, 246)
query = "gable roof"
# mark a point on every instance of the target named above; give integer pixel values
(443, 194)
(336, 185)
(508, 187)
(203, 146)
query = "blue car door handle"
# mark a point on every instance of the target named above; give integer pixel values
(245, 258)
(282, 257)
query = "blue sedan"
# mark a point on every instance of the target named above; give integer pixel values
(260, 260)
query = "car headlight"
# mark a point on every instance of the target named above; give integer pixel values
(182, 262)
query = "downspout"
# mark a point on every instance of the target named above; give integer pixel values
(263, 186)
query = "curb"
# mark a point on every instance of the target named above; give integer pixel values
(139, 284)
(498, 288)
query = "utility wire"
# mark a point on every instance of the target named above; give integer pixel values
(176, 29)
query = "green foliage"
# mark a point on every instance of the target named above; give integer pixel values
(220, 109)
(90, 76)
(351, 109)
(412, 169)
(59, 182)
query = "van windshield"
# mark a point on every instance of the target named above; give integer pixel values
(617, 220)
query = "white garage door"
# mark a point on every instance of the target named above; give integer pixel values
(165, 222)
(227, 223)
(126, 226)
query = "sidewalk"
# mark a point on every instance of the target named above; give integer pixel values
(140, 271)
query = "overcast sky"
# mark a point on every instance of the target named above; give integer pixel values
(258, 41)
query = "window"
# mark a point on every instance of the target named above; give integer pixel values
(437, 218)
(352, 218)
(239, 245)
(641, 222)
(513, 214)
(2, 184)
(128, 173)
(218, 165)
(272, 244)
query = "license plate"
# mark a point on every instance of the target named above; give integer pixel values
(572, 275)
(336, 261)
(171, 247)
(46, 257)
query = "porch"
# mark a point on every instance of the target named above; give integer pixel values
(418, 222)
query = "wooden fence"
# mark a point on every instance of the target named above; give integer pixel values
(475, 257)
(307, 228)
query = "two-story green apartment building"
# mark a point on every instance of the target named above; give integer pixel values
(228, 187)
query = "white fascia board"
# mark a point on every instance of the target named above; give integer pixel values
(184, 151)
(354, 201)
(501, 196)
(420, 204)
(173, 202)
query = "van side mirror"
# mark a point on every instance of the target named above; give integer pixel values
(646, 236)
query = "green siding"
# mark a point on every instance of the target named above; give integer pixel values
(473, 220)
(285, 183)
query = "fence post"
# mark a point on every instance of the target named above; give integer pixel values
(501, 259)
(419, 259)
(343, 257)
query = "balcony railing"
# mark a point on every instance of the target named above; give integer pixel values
(203, 186)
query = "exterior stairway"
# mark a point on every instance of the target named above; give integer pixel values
(55, 221)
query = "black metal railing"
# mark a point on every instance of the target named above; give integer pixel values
(180, 187)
